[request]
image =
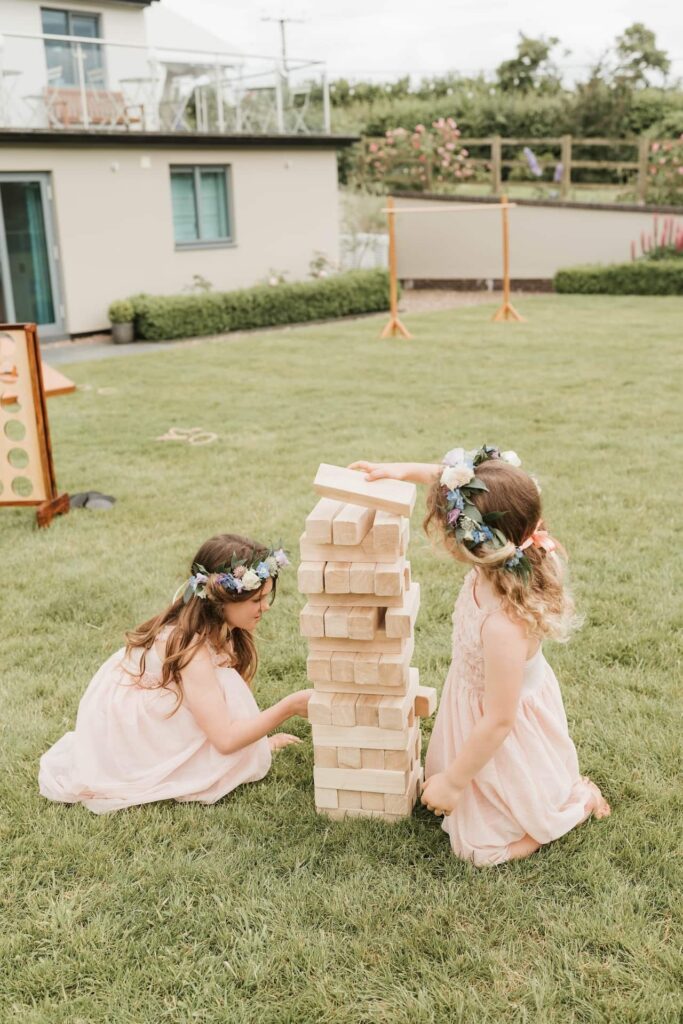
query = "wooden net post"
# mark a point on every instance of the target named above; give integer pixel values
(394, 325)
(507, 311)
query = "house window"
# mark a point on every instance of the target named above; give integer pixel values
(201, 205)
(62, 57)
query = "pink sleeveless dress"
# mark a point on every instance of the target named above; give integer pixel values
(125, 750)
(532, 784)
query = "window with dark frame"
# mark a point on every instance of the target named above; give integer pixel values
(62, 56)
(201, 200)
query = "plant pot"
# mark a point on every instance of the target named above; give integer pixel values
(123, 334)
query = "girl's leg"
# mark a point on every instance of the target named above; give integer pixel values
(595, 805)
(524, 847)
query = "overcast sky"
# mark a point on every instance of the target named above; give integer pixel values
(371, 38)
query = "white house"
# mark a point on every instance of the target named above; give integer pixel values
(137, 151)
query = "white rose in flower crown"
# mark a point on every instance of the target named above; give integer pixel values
(456, 476)
(512, 458)
(251, 581)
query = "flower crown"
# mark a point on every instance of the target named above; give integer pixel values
(459, 483)
(241, 574)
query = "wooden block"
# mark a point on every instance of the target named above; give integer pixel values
(349, 799)
(394, 712)
(388, 529)
(362, 622)
(348, 757)
(337, 622)
(319, 521)
(407, 580)
(326, 757)
(404, 804)
(425, 701)
(342, 666)
(368, 758)
(395, 496)
(372, 801)
(310, 577)
(366, 551)
(402, 760)
(343, 711)
(349, 600)
(389, 578)
(367, 709)
(362, 577)
(318, 667)
(364, 736)
(337, 579)
(320, 708)
(381, 644)
(394, 669)
(366, 667)
(351, 525)
(326, 798)
(312, 621)
(401, 621)
(361, 690)
(361, 780)
(418, 743)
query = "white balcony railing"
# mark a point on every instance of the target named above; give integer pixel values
(67, 82)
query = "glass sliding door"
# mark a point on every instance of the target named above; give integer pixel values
(28, 274)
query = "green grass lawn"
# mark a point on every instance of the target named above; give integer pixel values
(256, 909)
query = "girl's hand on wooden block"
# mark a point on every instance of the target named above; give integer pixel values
(380, 470)
(282, 739)
(439, 795)
(298, 703)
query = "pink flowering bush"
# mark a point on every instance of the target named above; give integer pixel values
(421, 159)
(665, 172)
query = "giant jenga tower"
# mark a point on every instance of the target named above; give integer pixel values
(359, 620)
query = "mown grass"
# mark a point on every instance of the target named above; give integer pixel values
(256, 909)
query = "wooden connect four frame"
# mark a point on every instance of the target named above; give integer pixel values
(27, 474)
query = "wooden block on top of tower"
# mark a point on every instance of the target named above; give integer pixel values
(351, 524)
(337, 577)
(349, 485)
(312, 620)
(310, 577)
(400, 621)
(319, 521)
(388, 529)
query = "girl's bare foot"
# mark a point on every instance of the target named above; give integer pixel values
(597, 805)
(524, 847)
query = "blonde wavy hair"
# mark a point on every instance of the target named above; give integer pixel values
(203, 620)
(542, 601)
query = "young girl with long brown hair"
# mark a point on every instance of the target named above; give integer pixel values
(171, 715)
(501, 767)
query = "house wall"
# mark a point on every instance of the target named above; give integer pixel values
(467, 245)
(114, 221)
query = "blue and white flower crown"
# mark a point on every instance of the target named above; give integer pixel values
(239, 576)
(459, 483)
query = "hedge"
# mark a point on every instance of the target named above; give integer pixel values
(182, 316)
(640, 277)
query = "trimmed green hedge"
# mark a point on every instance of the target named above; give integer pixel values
(181, 316)
(641, 277)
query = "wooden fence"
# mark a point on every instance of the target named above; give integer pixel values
(565, 144)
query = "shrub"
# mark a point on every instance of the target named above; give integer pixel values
(642, 277)
(121, 312)
(181, 316)
(665, 172)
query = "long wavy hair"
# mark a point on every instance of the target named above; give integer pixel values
(203, 620)
(543, 602)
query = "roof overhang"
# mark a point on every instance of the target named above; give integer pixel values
(196, 140)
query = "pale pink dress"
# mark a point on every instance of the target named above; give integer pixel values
(125, 749)
(532, 784)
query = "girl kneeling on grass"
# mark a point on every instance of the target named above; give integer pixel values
(501, 766)
(172, 715)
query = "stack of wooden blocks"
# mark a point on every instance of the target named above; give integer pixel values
(359, 620)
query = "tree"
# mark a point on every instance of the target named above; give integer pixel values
(532, 69)
(637, 54)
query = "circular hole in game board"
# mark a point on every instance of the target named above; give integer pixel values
(18, 458)
(15, 430)
(22, 487)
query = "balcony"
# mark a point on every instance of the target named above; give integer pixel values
(58, 83)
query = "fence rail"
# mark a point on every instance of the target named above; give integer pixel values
(565, 163)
